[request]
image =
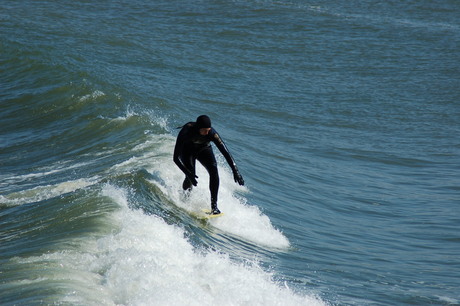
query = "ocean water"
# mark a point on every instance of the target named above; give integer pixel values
(343, 118)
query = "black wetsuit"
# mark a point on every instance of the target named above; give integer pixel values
(192, 146)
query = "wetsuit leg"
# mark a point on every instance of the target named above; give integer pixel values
(207, 159)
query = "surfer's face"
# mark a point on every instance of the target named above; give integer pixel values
(204, 131)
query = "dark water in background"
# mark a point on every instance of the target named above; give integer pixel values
(342, 117)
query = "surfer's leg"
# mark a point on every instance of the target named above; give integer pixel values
(208, 160)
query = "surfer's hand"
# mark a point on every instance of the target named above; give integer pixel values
(238, 178)
(192, 179)
(194, 182)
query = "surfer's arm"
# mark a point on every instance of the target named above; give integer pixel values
(178, 161)
(178, 150)
(228, 157)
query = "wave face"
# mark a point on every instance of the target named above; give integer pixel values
(108, 223)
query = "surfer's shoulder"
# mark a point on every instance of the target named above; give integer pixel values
(187, 125)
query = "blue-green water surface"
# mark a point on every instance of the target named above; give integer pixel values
(343, 118)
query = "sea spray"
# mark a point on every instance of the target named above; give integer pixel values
(149, 260)
(241, 219)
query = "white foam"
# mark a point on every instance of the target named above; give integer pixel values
(150, 262)
(448, 300)
(131, 112)
(46, 192)
(44, 171)
(142, 260)
(93, 96)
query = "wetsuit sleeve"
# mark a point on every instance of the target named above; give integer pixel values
(178, 151)
(228, 157)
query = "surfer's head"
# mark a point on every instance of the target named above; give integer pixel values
(203, 124)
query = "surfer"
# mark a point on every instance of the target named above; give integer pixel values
(193, 143)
